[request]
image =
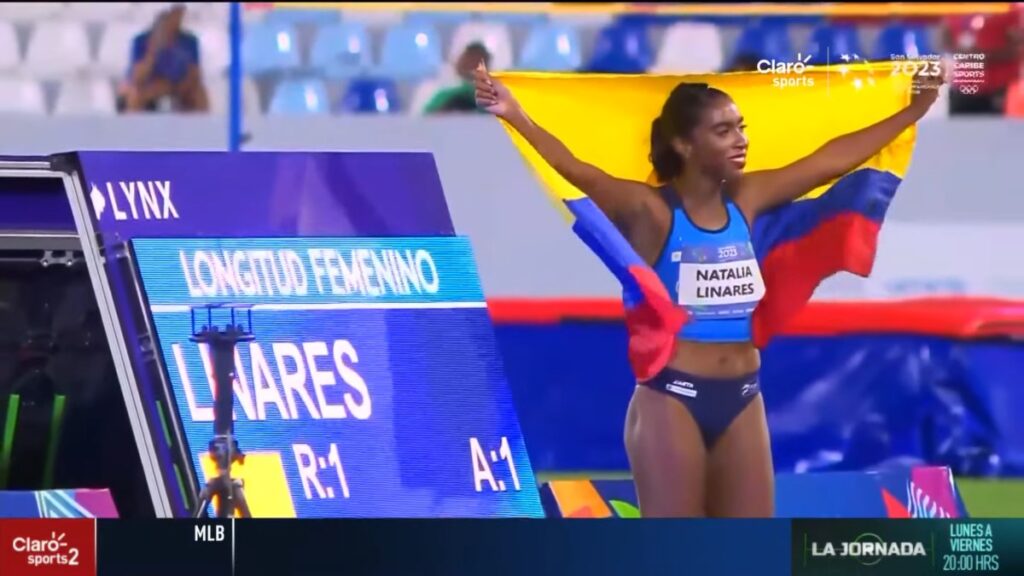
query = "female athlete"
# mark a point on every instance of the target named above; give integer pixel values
(696, 433)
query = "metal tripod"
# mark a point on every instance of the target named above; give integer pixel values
(223, 448)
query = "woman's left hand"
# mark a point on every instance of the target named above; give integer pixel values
(925, 89)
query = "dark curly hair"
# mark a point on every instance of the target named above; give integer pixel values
(679, 116)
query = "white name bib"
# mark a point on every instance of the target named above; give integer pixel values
(723, 281)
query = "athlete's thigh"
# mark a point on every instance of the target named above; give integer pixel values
(741, 479)
(666, 454)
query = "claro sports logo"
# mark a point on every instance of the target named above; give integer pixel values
(788, 74)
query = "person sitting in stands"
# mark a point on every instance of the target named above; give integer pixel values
(165, 72)
(460, 98)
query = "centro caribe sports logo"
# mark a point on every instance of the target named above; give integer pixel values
(868, 549)
(788, 73)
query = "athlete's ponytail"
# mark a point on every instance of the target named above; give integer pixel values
(679, 116)
(666, 162)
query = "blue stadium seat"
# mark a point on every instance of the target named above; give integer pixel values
(370, 96)
(411, 52)
(294, 16)
(269, 47)
(551, 47)
(621, 49)
(896, 38)
(341, 50)
(768, 39)
(830, 41)
(300, 97)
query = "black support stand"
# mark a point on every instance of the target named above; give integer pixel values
(223, 448)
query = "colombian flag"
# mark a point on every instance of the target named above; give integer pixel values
(606, 120)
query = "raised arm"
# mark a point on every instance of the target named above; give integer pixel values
(616, 197)
(762, 190)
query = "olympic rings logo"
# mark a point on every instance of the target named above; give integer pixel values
(969, 89)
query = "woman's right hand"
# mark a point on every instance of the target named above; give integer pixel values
(491, 95)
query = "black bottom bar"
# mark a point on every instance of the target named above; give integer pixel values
(164, 548)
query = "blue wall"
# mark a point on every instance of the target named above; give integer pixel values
(834, 403)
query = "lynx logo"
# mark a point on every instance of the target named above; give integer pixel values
(868, 549)
(134, 200)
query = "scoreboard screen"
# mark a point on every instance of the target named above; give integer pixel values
(372, 387)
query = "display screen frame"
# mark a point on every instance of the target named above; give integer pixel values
(117, 196)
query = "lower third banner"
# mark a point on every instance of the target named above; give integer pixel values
(918, 547)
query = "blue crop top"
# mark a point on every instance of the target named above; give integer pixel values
(712, 274)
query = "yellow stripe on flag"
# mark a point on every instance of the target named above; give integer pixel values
(606, 119)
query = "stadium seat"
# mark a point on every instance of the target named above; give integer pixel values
(691, 47)
(29, 11)
(86, 96)
(22, 96)
(114, 54)
(494, 35)
(341, 50)
(207, 13)
(551, 47)
(411, 52)
(214, 47)
(370, 96)
(424, 92)
(57, 48)
(10, 55)
(300, 97)
(829, 42)
(269, 47)
(299, 16)
(621, 49)
(768, 40)
(909, 41)
(96, 11)
(217, 88)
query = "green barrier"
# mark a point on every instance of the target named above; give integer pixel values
(52, 445)
(7, 447)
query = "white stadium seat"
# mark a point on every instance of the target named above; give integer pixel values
(208, 13)
(214, 47)
(495, 36)
(57, 48)
(114, 55)
(690, 47)
(10, 54)
(97, 11)
(425, 91)
(147, 11)
(29, 11)
(21, 96)
(217, 90)
(86, 97)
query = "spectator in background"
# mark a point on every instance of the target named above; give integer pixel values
(997, 36)
(165, 68)
(461, 98)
